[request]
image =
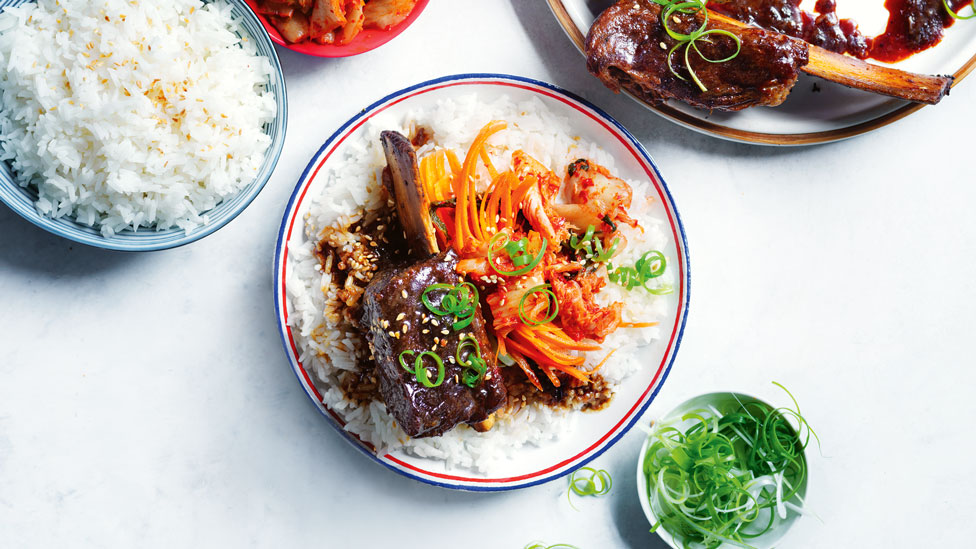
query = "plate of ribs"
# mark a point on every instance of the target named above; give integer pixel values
(481, 281)
(776, 72)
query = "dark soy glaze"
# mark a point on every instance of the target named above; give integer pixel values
(913, 25)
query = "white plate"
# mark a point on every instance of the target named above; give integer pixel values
(816, 111)
(595, 432)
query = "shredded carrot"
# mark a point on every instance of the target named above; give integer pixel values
(467, 227)
(637, 324)
(604, 361)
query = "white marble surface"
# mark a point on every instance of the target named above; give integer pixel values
(145, 400)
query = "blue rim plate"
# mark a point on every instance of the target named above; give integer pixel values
(547, 462)
(21, 200)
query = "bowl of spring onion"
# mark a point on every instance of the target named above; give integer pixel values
(725, 470)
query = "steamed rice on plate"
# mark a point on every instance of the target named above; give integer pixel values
(131, 114)
(472, 278)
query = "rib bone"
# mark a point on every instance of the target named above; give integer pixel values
(862, 75)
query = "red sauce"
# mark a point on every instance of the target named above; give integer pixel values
(913, 25)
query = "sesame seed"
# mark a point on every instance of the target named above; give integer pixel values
(425, 331)
(401, 316)
(434, 322)
(403, 293)
(446, 332)
(404, 329)
(393, 334)
(664, 46)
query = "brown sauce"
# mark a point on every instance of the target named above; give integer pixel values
(913, 25)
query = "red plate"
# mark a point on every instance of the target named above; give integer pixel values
(366, 40)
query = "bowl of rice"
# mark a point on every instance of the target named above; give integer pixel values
(136, 126)
(530, 442)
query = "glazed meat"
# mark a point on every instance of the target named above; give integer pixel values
(822, 29)
(395, 316)
(627, 47)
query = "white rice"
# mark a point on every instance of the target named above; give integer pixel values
(328, 346)
(131, 114)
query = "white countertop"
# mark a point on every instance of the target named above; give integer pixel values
(145, 400)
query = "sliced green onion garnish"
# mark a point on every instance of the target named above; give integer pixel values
(461, 301)
(651, 265)
(690, 41)
(552, 308)
(517, 253)
(538, 545)
(587, 481)
(475, 366)
(728, 475)
(403, 363)
(955, 14)
(592, 246)
(420, 370)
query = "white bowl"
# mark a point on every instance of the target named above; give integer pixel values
(766, 541)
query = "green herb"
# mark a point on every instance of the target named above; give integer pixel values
(517, 251)
(726, 478)
(651, 265)
(552, 304)
(538, 545)
(581, 164)
(475, 366)
(461, 301)
(955, 14)
(690, 41)
(419, 370)
(587, 481)
(593, 246)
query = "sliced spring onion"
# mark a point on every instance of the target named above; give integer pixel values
(540, 545)
(690, 40)
(651, 265)
(461, 301)
(552, 305)
(419, 369)
(475, 366)
(592, 246)
(957, 15)
(587, 481)
(517, 252)
(728, 476)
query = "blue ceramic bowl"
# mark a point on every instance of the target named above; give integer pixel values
(21, 200)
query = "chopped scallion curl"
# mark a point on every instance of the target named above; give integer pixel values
(552, 305)
(419, 369)
(651, 265)
(592, 246)
(461, 301)
(587, 481)
(957, 15)
(690, 41)
(517, 252)
(475, 366)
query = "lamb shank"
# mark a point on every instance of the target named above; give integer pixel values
(628, 47)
